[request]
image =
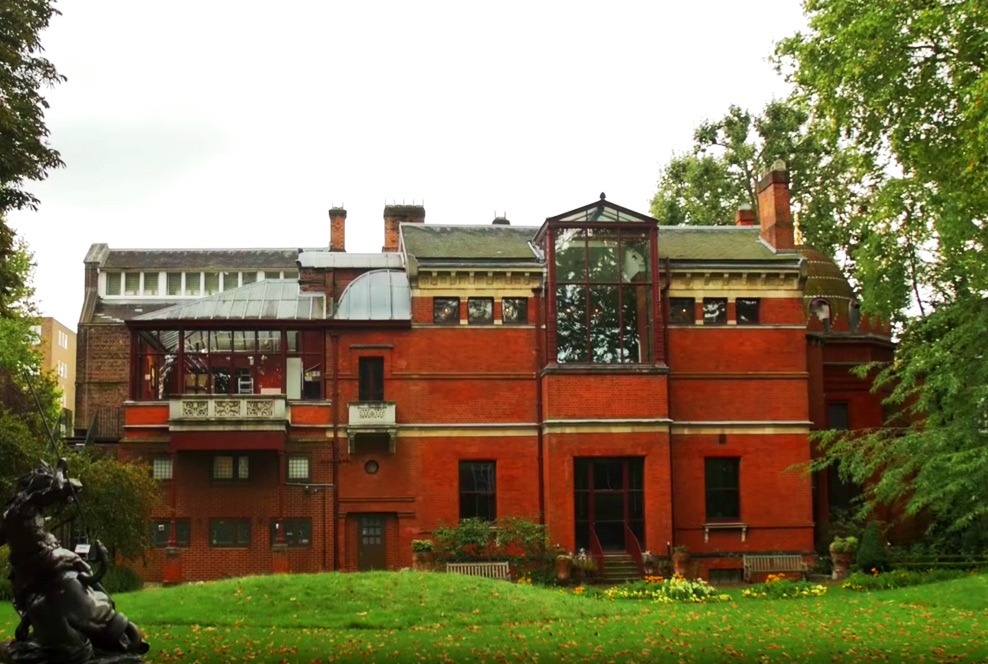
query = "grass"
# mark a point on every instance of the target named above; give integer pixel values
(412, 617)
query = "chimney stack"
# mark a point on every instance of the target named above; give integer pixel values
(774, 214)
(394, 216)
(745, 216)
(337, 229)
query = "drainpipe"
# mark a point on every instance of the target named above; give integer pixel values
(335, 340)
(665, 346)
(539, 361)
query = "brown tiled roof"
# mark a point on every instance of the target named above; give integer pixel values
(200, 259)
(487, 243)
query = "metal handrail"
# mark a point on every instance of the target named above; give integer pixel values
(597, 551)
(634, 549)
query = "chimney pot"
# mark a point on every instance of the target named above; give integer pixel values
(337, 229)
(500, 221)
(394, 216)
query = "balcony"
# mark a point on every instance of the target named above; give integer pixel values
(224, 412)
(371, 420)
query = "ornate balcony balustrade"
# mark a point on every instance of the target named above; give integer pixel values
(371, 420)
(214, 412)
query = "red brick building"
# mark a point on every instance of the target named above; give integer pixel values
(634, 386)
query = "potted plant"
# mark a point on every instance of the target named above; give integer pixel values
(649, 563)
(841, 551)
(423, 554)
(583, 565)
(680, 559)
(564, 566)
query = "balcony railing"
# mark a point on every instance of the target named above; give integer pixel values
(374, 419)
(226, 410)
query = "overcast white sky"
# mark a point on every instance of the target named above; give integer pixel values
(214, 123)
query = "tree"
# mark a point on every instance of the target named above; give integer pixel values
(905, 82)
(828, 177)
(24, 150)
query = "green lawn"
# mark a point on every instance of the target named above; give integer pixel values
(409, 617)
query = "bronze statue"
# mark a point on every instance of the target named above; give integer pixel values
(66, 616)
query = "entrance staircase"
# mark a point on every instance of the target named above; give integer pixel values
(619, 567)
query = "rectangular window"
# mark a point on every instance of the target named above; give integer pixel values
(298, 532)
(231, 280)
(723, 488)
(132, 283)
(289, 274)
(150, 283)
(514, 310)
(837, 416)
(231, 467)
(174, 284)
(192, 285)
(748, 310)
(212, 283)
(161, 532)
(161, 468)
(682, 310)
(248, 277)
(113, 280)
(371, 378)
(478, 490)
(229, 532)
(480, 310)
(714, 311)
(298, 467)
(446, 310)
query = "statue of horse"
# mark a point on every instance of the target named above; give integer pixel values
(66, 616)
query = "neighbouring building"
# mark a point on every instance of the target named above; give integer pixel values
(57, 344)
(633, 385)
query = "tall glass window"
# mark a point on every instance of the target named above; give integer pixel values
(603, 295)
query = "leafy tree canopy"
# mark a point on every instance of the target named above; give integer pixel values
(905, 82)
(710, 182)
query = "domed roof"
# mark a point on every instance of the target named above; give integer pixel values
(825, 281)
(376, 295)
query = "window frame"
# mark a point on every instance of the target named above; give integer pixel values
(485, 316)
(183, 526)
(721, 318)
(678, 304)
(154, 468)
(756, 302)
(470, 497)
(715, 492)
(453, 303)
(370, 378)
(520, 305)
(294, 542)
(288, 467)
(242, 526)
(238, 472)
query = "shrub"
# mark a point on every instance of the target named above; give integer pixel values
(872, 554)
(862, 581)
(422, 546)
(777, 586)
(519, 541)
(121, 579)
(847, 544)
(5, 591)
(675, 589)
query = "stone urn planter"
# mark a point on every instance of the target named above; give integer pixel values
(564, 568)
(423, 555)
(680, 560)
(842, 551)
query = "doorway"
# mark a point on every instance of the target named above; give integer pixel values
(371, 548)
(609, 496)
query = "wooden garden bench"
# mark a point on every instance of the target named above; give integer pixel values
(773, 563)
(488, 570)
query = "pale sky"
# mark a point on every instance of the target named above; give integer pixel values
(214, 123)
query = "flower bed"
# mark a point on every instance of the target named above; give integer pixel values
(779, 586)
(897, 579)
(674, 589)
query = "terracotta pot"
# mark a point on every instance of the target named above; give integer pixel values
(842, 564)
(423, 561)
(680, 561)
(564, 568)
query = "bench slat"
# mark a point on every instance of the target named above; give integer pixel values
(488, 570)
(773, 563)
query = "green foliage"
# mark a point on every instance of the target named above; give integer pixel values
(675, 589)
(5, 590)
(781, 588)
(120, 579)
(517, 540)
(422, 546)
(868, 581)
(710, 182)
(873, 554)
(847, 544)
(906, 84)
